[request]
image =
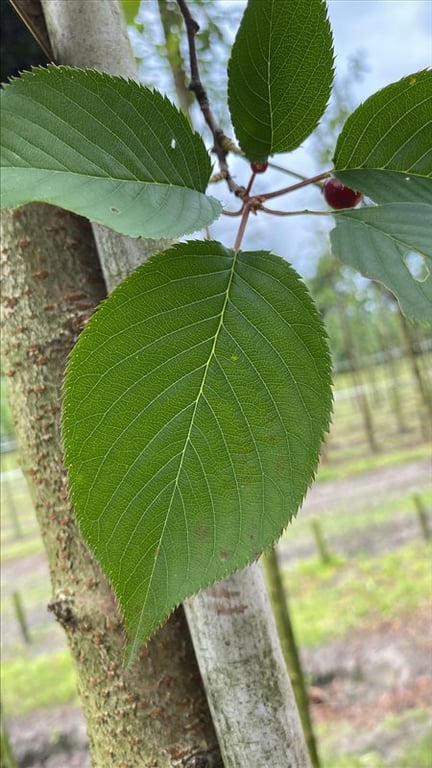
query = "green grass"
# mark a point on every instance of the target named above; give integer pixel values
(373, 461)
(327, 601)
(22, 548)
(416, 753)
(45, 681)
(9, 460)
(347, 441)
(6, 427)
(367, 760)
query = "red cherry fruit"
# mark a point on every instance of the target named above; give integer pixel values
(339, 196)
(259, 167)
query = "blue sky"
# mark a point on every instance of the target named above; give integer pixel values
(395, 39)
(396, 36)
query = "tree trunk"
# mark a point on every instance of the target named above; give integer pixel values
(423, 389)
(357, 381)
(289, 647)
(156, 713)
(244, 673)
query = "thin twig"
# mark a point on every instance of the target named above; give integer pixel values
(31, 14)
(304, 183)
(305, 211)
(233, 213)
(250, 185)
(217, 177)
(242, 227)
(222, 143)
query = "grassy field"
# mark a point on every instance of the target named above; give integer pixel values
(412, 755)
(48, 680)
(327, 601)
(347, 442)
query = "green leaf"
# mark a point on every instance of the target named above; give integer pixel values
(385, 151)
(280, 74)
(196, 401)
(130, 10)
(106, 148)
(389, 186)
(385, 147)
(377, 240)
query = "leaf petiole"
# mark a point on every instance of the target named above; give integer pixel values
(242, 227)
(295, 213)
(299, 185)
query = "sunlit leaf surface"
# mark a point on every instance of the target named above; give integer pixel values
(196, 401)
(106, 148)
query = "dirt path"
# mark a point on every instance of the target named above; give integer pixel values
(369, 675)
(18, 572)
(366, 491)
(368, 488)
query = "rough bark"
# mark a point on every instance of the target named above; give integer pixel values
(93, 34)
(156, 714)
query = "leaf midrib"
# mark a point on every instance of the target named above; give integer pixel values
(191, 425)
(269, 78)
(140, 182)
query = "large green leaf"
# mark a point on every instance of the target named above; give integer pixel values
(385, 147)
(377, 240)
(385, 151)
(106, 148)
(196, 401)
(389, 186)
(280, 74)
